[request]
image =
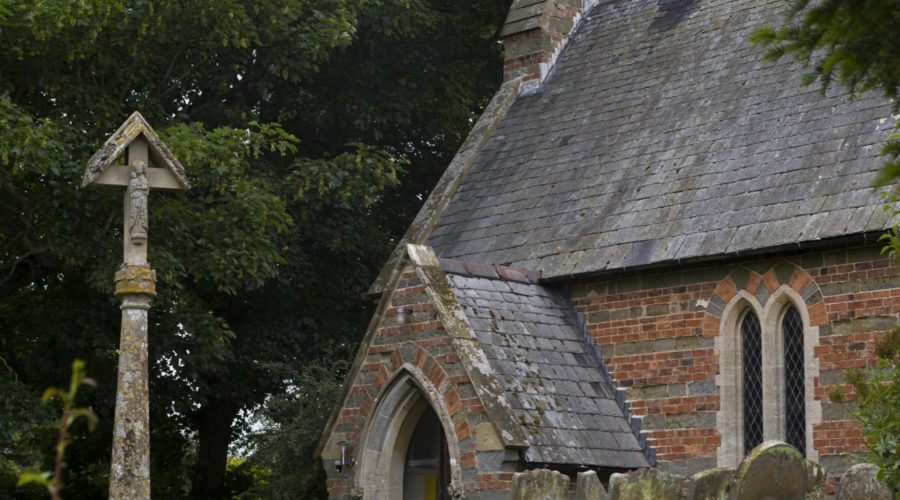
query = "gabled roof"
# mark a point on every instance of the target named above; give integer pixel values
(549, 375)
(540, 379)
(134, 127)
(660, 137)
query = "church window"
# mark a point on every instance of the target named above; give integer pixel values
(751, 348)
(765, 353)
(794, 392)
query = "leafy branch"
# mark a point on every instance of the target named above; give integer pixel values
(71, 413)
(878, 399)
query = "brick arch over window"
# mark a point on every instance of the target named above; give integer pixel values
(769, 295)
(405, 394)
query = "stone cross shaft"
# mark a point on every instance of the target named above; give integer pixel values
(136, 286)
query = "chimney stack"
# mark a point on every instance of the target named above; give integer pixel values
(534, 34)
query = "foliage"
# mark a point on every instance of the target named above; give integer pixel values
(23, 438)
(294, 420)
(311, 130)
(853, 43)
(53, 481)
(877, 392)
(891, 238)
(890, 171)
(242, 478)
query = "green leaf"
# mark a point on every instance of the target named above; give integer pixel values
(39, 478)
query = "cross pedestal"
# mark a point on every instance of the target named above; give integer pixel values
(129, 477)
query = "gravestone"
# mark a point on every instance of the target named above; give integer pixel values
(645, 483)
(712, 484)
(540, 484)
(860, 482)
(588, 487)
(772, 471)
(815, 475)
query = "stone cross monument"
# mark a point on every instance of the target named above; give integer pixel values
(150, 166)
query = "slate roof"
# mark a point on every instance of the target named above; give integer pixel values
(663, 136)
(549, 375)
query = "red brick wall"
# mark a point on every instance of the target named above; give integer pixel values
(422, 343)
(657, 336)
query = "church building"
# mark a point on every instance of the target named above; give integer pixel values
(654, 249)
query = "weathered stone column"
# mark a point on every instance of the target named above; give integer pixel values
(129, 477)
(136, 287)
(130, 471)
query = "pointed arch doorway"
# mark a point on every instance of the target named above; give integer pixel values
(426, 474)
(407, 453)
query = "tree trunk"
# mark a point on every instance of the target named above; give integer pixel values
(213, 423)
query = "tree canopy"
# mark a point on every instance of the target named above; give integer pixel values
(311, 130)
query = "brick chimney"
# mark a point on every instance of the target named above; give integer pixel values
(534, 34)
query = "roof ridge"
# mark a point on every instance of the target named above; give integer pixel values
(489, 271)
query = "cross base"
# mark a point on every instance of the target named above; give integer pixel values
(134, 279)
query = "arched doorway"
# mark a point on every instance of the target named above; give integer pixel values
(407, 454)
(426, 474)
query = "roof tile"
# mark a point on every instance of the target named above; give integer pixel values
(657, 141)
(548, 373)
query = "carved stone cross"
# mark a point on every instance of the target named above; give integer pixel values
(150, 166)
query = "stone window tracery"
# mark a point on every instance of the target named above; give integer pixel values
(794, 383)
(752, 384)
(766, 366)
(772, 379)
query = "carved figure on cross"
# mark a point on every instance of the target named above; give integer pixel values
(139, 192)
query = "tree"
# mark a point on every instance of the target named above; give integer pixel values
(294, 420)
(435, 65)
(295, 161)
